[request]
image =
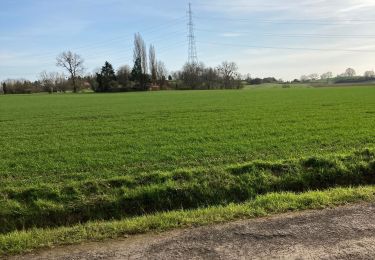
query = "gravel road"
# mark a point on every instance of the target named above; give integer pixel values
(342, 233)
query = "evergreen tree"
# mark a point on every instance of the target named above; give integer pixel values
(138, 76)
(4, 88)
(140, 69)
(106, 79)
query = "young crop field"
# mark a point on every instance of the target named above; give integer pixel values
(68, 160)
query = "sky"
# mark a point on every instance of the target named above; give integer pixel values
(284, 39)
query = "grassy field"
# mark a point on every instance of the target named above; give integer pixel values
(70, 159)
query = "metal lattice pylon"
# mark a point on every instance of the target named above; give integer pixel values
(192, 52)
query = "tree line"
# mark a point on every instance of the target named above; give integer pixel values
(146, 73)
(348, 76)
(198, 76)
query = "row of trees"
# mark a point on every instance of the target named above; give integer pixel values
(191, 76)
(126, 79)
(48, 82)
(146, 73)
(258, 81)
(197, 76)
(349, 75)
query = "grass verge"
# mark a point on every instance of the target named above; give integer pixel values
(44, 206)
(263, 205)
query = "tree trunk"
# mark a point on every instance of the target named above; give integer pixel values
(74, 85)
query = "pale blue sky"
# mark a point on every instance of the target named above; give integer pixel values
(284, 39)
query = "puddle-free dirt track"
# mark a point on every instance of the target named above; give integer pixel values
(342, 233)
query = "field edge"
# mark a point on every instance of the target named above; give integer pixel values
(45, 206)
(18, 242)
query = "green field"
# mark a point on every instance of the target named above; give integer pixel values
(71, 159)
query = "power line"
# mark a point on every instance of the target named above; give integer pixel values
(129, 45)
(303, 35)
(288, 48)
(47, 59)
(289, 21)
(192, 50)
(118, 59)
(159, 51)
(278, 8)
(96, 45)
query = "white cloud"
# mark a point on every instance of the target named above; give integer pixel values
(299, 17)
(259, 17)
(292, 9)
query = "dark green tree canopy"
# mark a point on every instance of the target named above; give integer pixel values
(4, 88)
(106, 78)
(136, 74)
(108, 71)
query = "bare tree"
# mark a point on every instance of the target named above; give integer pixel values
(139, 72)
(53, 81)
(161, 70)
(123, 76)
(228, 72)
(304, 78)
(211, 78)
(350, 72)
(73, 63)
(191, 75)
(327, 75)
(369, 74)
(153, 64)
(313, 76)
(20, 86)
(62, 83)
(46, 81)
(161, 73)
(140, 52)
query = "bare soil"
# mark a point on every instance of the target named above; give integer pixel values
(341, 233)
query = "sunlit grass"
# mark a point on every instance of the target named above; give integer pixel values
(68, 159)
(23, 241)
(56, 138)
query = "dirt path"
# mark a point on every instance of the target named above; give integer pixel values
(342, 233)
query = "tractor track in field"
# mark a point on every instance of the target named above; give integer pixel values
(346, 232)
